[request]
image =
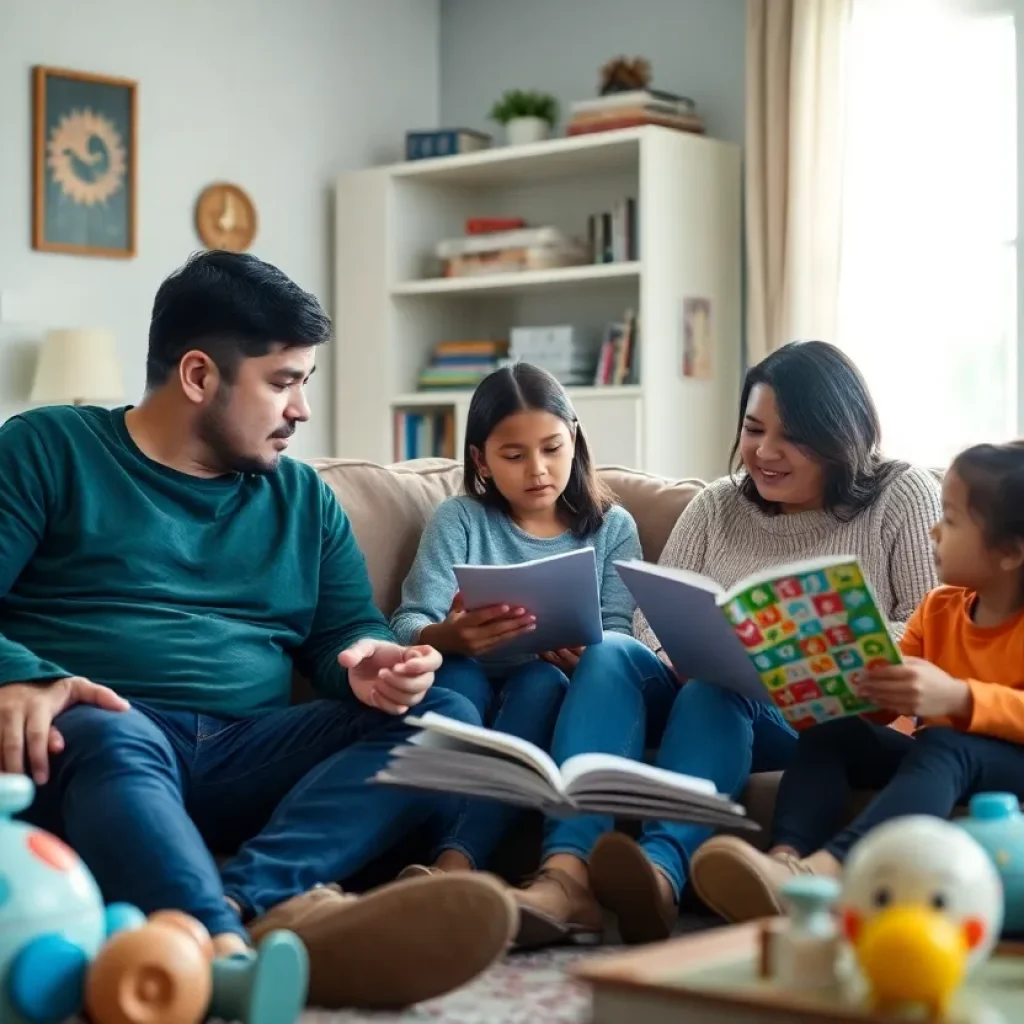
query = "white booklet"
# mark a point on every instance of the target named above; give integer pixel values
(562, 591)
(452, 757)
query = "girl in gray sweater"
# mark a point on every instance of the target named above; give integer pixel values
(810, 481)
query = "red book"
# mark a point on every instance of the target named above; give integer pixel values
(488, 225)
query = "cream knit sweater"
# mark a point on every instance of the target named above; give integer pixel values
(726, 537)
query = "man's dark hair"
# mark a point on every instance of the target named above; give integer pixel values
(827, 410)
(232, 306)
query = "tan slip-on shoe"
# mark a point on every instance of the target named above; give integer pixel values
(741, 884)
(628, 884)
(400, 944)
(554, 909)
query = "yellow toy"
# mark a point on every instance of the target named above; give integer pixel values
(921, 906)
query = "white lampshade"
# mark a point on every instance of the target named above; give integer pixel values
(78, 366)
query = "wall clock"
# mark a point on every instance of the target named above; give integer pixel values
(225, 217)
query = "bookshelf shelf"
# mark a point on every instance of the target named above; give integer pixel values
(523, 281)
(393, 308)
(461, 396)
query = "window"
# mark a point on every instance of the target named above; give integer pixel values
(928, 273)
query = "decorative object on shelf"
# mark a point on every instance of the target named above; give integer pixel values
(626, 100)
(696, 361)
(621, 74)
(423, 145)
(84, 163)
(77, 366)
(528, 116)
(225, 217)
(540, 248)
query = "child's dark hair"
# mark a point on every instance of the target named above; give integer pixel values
(826, 409)
(994, 477)
(518, 388)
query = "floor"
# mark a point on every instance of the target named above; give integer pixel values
(525, 988)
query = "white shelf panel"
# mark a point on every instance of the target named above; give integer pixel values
(457, 396)
(537, 161)
(521, 281)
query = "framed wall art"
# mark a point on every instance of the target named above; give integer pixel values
(85, 131)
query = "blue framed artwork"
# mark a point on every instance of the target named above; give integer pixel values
(85, 146)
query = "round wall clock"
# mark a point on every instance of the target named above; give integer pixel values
(225, 217)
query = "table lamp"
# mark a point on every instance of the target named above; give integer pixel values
(77, 366)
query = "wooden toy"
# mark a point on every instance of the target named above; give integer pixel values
(919, 910)
(62, 951)
(996, 823)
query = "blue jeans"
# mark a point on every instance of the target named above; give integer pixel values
(525, 704)
(144, 796)
(623, 698)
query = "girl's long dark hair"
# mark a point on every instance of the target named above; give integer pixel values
(994, 477)
(518, 388)
(827, 410)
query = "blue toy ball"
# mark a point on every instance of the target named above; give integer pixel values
(52, 918)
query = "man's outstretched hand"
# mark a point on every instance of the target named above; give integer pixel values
(27, 711)
(388, 677)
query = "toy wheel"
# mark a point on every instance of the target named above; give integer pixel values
(152, 975)
(46, 980)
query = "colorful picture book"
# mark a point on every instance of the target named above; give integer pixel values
(801, 636)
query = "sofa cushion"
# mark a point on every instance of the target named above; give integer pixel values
(388, 506)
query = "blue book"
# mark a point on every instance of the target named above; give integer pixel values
(561, 591)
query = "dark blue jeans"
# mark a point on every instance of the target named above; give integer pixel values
(146, 794)
(930, 773)
(623, 698)
(525, 704)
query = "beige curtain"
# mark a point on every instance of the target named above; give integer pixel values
(793, 170)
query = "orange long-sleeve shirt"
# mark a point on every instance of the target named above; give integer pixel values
(990, 659)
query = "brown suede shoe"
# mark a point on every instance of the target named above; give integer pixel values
(554, 908)
(628, 884)
(741, 884)
(400, 944)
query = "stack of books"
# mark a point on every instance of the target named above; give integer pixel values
(612, 234)
(461, 364)
(424, 434)
(632, 109)
(568, 353)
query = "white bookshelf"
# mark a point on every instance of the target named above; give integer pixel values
(392, 308)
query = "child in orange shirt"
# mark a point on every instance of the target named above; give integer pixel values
(962, 678)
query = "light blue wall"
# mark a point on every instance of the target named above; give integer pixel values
(696, 47)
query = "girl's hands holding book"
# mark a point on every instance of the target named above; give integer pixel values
(566, 658)
(917, 688)
(479, 631)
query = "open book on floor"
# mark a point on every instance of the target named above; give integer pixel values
(560, 590)
(453, 757)
(800, 635)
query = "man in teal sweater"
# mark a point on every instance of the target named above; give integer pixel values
(163, 568)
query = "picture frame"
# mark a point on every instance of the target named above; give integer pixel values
(85, 163)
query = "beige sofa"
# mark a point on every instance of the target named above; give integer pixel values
(389, 506)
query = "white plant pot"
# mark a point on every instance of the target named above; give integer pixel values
(522, 130)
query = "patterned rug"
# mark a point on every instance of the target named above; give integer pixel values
(525, 988)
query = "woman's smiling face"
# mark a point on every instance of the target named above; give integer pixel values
(783, 472)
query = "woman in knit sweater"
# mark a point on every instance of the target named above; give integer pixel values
(810, 481)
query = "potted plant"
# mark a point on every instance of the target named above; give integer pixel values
(528, 116)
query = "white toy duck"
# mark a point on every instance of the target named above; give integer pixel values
(921, 906)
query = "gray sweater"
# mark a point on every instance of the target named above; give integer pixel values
(726, 537)
(463, 531)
